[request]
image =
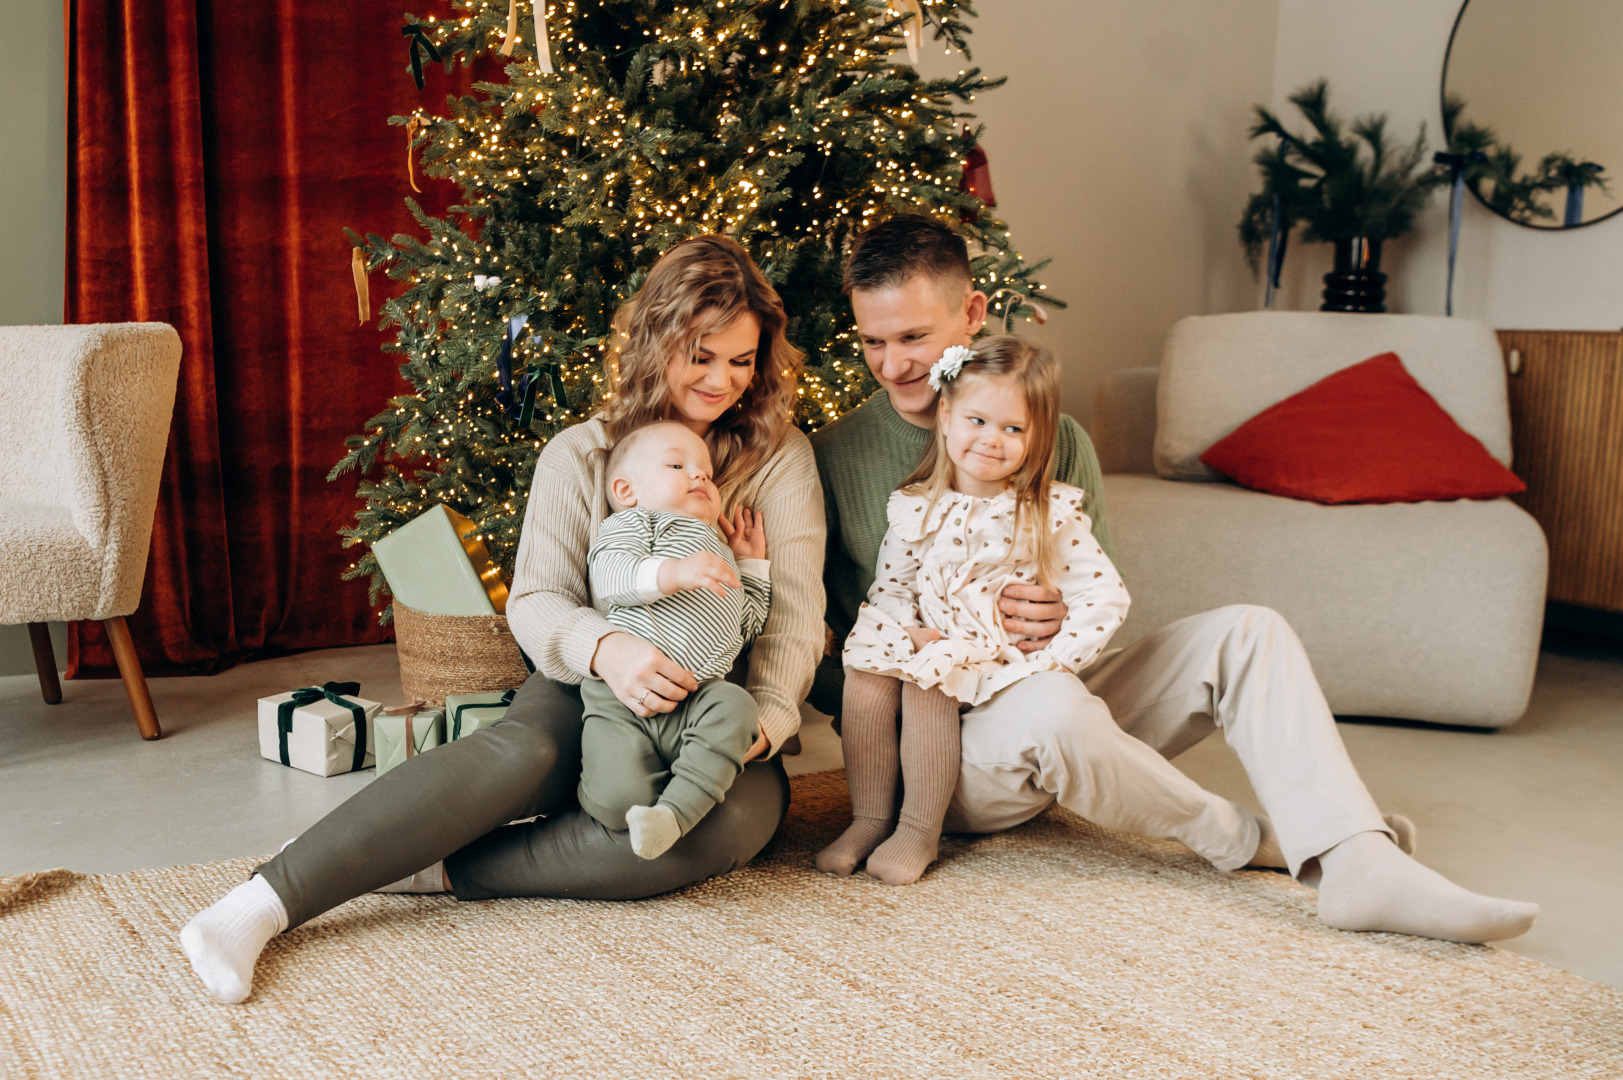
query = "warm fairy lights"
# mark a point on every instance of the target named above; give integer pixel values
(787, 126)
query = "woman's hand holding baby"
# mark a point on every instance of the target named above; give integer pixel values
(745, 533)
(701, 570)
(641, 676)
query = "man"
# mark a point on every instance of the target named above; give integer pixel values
(1240, 668)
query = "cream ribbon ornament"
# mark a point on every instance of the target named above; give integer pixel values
(543, 53)
(912, 29)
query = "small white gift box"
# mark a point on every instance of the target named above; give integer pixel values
(320, 729)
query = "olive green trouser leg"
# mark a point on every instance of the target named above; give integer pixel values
(454, 803)
(686, 759)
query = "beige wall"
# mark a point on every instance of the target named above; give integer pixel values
(1387, 56)
(1118, 149)
(33, 178)
(32, 206)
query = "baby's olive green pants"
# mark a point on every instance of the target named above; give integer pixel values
(455, 803)
(685, 759)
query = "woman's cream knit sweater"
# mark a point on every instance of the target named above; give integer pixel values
(555, 618)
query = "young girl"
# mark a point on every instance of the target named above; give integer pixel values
(979, 513)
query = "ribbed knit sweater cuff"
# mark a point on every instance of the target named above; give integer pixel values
(580, 638)
(777, 724)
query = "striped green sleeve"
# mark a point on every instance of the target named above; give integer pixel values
(757, 599)
(623, 542)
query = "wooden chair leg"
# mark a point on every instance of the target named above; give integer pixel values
(45, 663)
(135, 683)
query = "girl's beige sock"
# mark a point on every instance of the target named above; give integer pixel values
(868, 739)
(930, 763)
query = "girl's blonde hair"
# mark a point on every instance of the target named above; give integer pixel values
(1032, 367)
(698, 287)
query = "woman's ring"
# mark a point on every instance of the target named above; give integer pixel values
(645, 693)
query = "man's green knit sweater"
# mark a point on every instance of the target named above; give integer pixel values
(864, 456)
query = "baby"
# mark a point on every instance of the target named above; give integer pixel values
(672, 580)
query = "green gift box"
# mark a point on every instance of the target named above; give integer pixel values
(436, 563)
(467, 713)
(405, 732)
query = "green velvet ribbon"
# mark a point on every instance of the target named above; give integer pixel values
(456, 719)
(333, 692)
(419, 41)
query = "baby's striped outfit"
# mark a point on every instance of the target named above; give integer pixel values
(685, 759)
(695, 627)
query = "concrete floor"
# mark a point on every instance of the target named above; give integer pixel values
(1534, 812)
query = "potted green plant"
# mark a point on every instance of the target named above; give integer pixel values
(1350, 187)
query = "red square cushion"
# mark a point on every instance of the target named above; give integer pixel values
(1367, 434)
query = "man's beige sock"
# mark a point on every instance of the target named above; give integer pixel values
(868, 740)
(930, 753)
(1369, 884)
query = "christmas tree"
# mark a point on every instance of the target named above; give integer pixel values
(622, 128)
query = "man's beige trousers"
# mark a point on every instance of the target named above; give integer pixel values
(1100, 746)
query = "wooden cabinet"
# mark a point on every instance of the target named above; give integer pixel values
(1566, 417)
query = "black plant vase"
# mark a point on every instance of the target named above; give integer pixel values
(1356, 284)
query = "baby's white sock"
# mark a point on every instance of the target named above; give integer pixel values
(653, 830)
(427, 880)
(225, 940)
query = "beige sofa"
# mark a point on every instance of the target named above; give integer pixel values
(1424, 611)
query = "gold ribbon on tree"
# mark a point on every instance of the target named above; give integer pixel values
(363, 286)
(543, 54)
(413, 125)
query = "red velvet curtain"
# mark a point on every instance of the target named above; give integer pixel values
(217, 149)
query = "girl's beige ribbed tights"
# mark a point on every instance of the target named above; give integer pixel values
(872, 770)
(930, 754)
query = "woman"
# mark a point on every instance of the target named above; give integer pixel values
(702, 343)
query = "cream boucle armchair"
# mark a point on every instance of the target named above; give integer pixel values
(84, 418)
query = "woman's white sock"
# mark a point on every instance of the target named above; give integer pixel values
(224, 941)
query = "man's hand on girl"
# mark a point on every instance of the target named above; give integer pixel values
(745, 533)
(1034, 611)
(701, 570)
(922, 636)
(643, 678)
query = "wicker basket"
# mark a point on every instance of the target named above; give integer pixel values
(455, 654)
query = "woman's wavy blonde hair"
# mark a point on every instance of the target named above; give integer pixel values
(698, 287)
(1033, 369)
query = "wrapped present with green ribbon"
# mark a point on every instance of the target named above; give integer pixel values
(404, 731)
(467, 713)
(323, 729)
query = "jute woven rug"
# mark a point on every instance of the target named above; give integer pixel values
(1055, 950)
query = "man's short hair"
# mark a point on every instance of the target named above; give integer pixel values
(891, 252)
